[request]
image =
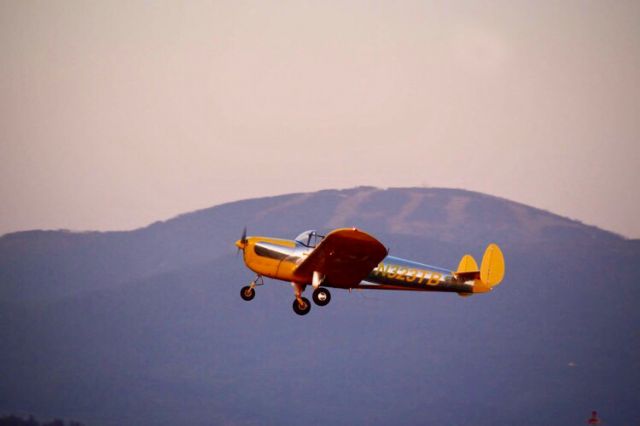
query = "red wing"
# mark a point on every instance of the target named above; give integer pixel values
(345, 257)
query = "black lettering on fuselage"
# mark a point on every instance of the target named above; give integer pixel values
(405, 274)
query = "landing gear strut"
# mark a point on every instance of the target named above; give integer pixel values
(248, 292)
(301, 305)
(321, 296)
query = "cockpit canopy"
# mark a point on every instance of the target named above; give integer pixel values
(309, 238)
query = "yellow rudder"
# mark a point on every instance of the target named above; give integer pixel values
(467, 264)
(492, 268)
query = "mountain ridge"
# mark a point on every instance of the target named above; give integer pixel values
(345, 191)
(77, 260)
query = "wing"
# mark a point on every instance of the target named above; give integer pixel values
(345, 257)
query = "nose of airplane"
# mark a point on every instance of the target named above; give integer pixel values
(242, 242)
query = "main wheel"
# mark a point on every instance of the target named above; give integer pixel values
(304, 309)
(247, 293)
(321, 296)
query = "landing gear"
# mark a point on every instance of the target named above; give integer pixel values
(301, 306)
(321, 296)
(248, 292)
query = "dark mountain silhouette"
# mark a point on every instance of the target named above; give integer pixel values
(147, 326)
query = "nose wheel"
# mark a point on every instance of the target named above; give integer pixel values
(248, 292)
(321, 296)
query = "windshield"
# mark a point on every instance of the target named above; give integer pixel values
(309, 238)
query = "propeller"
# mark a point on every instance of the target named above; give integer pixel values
(242, 242)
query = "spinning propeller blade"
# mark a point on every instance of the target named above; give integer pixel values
(242, 242)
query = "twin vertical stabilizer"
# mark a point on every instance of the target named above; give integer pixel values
(491, 271)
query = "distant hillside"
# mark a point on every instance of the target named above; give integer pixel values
(43, 265)
(147, 326)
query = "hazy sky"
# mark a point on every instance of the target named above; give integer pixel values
(117, 114)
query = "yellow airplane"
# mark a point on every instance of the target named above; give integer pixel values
(351, 259)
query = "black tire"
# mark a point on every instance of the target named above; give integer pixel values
(304, 310)
(247, 293)
(321, 296)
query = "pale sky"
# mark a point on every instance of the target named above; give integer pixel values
(117, 114)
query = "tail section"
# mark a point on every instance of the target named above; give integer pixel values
(491, 270)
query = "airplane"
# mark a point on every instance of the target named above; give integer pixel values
(348, 258)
